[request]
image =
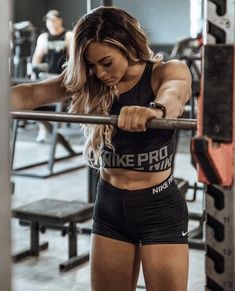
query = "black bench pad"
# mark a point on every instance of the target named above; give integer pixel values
(54, 211)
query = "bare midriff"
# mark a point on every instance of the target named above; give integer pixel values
(133, 180)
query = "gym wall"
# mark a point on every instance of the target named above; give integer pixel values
(159, 18)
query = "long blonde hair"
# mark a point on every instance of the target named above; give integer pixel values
(117, 28)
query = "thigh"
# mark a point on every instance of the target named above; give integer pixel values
(114, 264)
(165, 266)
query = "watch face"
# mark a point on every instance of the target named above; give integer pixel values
(152, 104)
(158, 106)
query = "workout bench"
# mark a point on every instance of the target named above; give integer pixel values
(56, 214)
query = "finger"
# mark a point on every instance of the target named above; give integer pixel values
(139, 122)
(135, 117)
(124, 120)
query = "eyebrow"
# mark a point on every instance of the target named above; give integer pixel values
(99, 61)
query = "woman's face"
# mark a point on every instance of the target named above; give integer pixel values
(107, 62)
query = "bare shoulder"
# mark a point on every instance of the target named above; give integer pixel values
(68, 35)
(173, 69)
(43, 36)
(42, 40)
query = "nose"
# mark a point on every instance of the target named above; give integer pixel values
(100, 72)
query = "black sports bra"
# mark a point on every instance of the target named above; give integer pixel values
(149, 151)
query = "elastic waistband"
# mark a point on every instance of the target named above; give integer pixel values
(106, 188)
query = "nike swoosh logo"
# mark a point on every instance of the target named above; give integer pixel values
(184, 233)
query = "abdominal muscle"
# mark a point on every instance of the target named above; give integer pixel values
(133, 180)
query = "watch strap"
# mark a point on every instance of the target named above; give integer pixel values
(159, 106)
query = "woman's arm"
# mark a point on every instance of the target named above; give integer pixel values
(175, 86)
(33, 95)
(173, 92)
(41, 49)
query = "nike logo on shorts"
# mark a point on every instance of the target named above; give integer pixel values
(184, 233)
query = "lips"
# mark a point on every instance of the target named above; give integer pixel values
(107, 80)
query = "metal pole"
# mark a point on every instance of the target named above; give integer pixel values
(186, 124)
(88, 6)
(5, 214)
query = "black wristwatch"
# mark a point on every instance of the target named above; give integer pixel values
(159, 106)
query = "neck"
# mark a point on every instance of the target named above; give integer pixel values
(133, 72)
(132, 76)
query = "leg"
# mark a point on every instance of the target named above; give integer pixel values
(165, 266)
(114, 265)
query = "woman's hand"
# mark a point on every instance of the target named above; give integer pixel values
(134, 118)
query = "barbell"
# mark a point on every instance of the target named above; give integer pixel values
(163, 123)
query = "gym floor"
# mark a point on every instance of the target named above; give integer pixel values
(42, 274)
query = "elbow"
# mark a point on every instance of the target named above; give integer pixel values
(186, 98)
(181, 111)
(183, 101)
(189, 94)
(185, 95)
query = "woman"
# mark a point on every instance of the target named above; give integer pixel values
(140, 215)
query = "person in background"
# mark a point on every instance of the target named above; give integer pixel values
(51, 52)
(140, 215)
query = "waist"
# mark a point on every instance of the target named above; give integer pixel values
(132, 180)
(162, 187)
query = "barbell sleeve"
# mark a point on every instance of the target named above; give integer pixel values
(163, 123)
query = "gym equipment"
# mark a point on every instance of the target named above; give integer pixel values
(62, 215)
(22, 47)
(56, 138)
(213, 149)
(177, 123)
(50, 170)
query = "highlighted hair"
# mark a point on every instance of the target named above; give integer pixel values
(120, 30)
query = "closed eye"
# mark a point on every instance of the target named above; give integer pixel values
(90, 65)
(107, 64)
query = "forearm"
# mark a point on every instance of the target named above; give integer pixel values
(174, 99)
(175, 87)
(22, 97)
(30, 96)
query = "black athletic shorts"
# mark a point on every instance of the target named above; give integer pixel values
(155, 215)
